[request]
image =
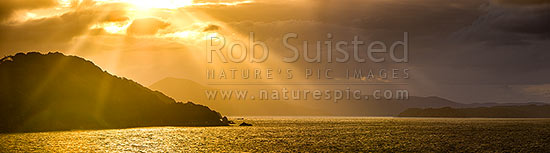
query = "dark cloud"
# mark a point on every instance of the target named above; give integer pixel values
(523, 2)
(508, 26)
(434, 18)
(211, 27)
(54, 32)
(7, 7)
(146, 26)
(46, 31)
(506, 45)
(530, 21)
(473, 43)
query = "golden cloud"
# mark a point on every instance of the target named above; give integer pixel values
(146, 26)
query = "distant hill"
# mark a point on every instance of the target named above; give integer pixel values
(525, 111)
(42, 92)
(187, 90)
(181, 89)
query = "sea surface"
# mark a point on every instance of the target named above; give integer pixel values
(302, 134)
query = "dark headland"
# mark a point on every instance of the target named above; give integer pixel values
(45, 92)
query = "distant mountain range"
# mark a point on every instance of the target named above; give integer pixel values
(42, 92)
(187, 90)
(525, 111)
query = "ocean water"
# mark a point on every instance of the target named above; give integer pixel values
(311, 134)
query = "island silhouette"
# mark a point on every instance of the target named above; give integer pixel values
(45, 92)
(526, 111)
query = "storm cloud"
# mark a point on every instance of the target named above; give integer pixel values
(461, 50)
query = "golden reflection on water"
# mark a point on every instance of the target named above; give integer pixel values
(301, 134)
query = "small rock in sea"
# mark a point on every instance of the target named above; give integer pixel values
(245, 124)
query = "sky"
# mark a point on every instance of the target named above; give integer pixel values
(465, 50)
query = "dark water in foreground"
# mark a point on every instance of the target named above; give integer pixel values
(303, 134)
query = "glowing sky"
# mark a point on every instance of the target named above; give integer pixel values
(469, 51)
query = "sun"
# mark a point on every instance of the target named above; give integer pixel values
(167, 4)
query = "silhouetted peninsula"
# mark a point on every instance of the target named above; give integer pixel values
(526, 111)
(44, 92)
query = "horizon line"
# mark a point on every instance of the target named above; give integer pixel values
(303, 83)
